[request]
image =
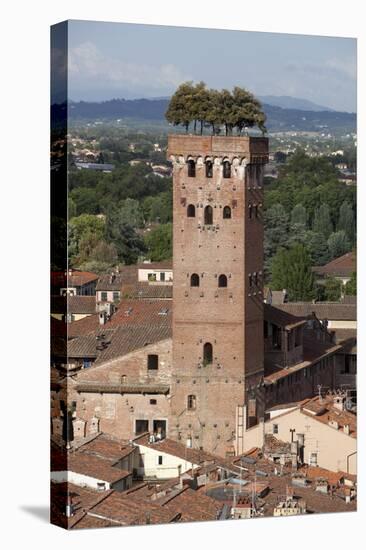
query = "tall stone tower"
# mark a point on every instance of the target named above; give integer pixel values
(217, 370)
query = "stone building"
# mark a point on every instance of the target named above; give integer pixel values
(218, 287)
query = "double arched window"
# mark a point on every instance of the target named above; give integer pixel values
(191, 211)
(208, 214)
(226, 213)
(222, 281)
(191, 168)
(195, 280)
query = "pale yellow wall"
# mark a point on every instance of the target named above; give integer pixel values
(332, 445)
(342, 324)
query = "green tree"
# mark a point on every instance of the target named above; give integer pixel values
(299, 215)
(276, 223)
(180, 110)
(71, 208)
(159, 243)
(215, 108)
(322, 221)
(346, 221)
(128, 243)
(158, 208)
(85, 200)
(351, 286)
(105, 253)
(130, 213)
(84, 232)
(248, 110)
(291, 270)
(338, 244)
(317, 246)
(332, 289)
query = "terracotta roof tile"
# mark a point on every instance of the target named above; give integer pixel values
(323, 310)
(192, 505)
(343, 266)
(80, 278)
(132, 511)
(281, 318)
(73, 304)
(92, 466)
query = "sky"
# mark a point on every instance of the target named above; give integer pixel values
(115, 60)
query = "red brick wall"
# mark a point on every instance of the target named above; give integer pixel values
(231, 318)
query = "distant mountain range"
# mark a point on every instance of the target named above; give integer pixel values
(288, 102)
(302, 116)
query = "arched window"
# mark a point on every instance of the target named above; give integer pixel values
(250, 209)
(222, 281)
(207, 353)
(226, 169)
(208, 215)
(195, 280)
(191, 211)
(191, 168)
(209, 168)
(191, 402)
(226, 213)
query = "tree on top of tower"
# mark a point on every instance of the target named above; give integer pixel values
(216, 109)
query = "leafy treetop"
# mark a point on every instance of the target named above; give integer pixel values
(213, 108)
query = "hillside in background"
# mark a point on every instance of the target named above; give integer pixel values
(289, 102)
(153, 110)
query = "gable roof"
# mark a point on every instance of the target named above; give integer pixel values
(128, 313)
(74, 304)
(323, 310)
(281, 318)
(80, 278)
(343, 266)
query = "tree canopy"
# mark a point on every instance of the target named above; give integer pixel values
(216, 109)
(291, 270)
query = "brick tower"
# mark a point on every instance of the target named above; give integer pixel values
(217, 369)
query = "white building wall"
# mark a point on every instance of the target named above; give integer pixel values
(143, 274)
(78, 479)
(171, 465)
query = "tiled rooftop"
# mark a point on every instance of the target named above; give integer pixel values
(343, 266)
(323, 310)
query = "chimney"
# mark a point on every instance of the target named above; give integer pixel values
(339, 402)
(102, 318)
(69, 507)
(346, 429)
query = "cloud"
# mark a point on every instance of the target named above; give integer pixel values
(89, 66)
